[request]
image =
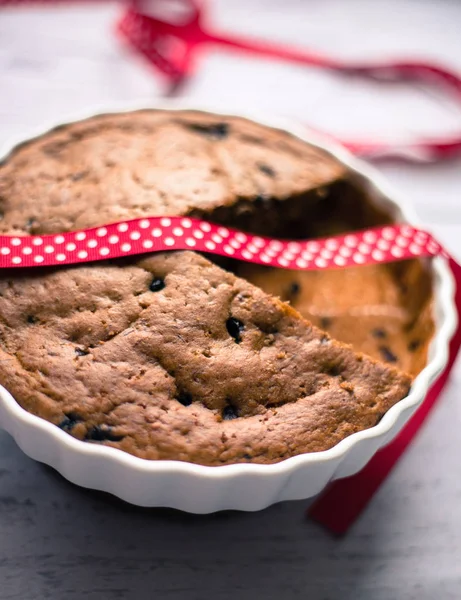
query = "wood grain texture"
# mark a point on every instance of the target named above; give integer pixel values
(59, 541)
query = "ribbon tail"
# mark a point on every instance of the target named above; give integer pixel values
(278, 52)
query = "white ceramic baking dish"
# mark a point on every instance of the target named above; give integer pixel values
(249, 487)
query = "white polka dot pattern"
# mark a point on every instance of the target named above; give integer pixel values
(158, 234)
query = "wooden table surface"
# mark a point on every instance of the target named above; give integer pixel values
(58, 541)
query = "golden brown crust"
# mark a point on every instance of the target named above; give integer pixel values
(171, 356)
(151, 163)
(207, 369)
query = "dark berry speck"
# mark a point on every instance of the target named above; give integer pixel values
(69, 422)
(157, 285)
(269, 171)
(378, 333)
(387, 354)
(229, 413)
(334, 370)
(216, 131)
(295, 288)
(414, 345)
(101, 434)
(325, 322)
(185, 399)
(235, 328)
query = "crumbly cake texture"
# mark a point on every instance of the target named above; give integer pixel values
(381, 313)
(172, 357)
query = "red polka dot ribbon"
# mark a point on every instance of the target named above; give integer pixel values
(158, 234)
